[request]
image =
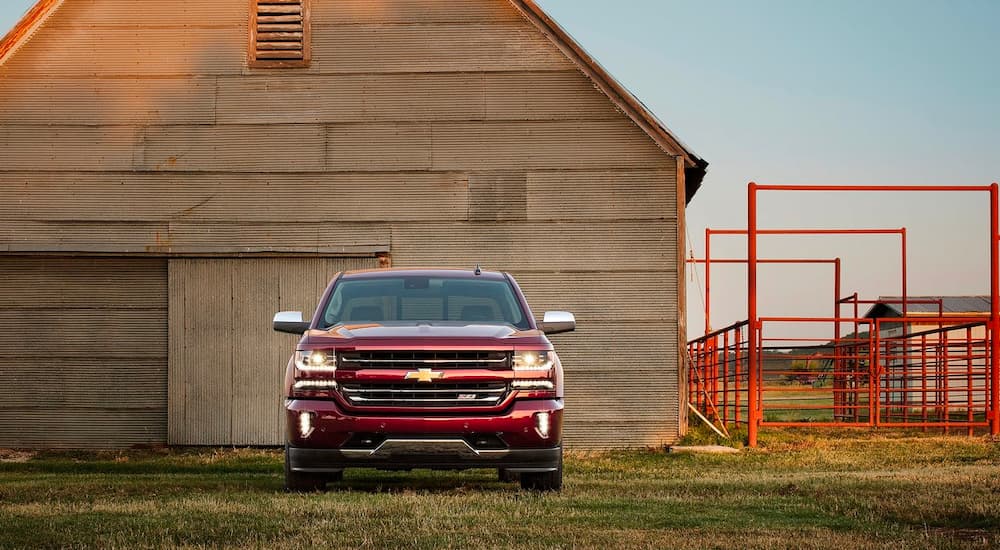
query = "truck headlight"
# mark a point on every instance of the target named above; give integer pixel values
(532, 385)
(316, 361)
(533, 361)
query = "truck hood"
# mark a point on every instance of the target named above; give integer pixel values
(378, 335)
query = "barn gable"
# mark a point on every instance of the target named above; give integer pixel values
(360, 11)
(422, 132)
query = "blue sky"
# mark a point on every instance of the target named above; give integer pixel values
(848, 92)
(793, 91)
(10, 12)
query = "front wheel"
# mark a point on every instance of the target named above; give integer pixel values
(300, 482)
(506, 476)
(544, 481)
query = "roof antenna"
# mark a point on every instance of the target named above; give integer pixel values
(479, 270)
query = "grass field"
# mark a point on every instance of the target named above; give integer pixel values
(775, 399)
(840, 490)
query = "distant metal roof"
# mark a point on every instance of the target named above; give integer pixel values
(892, 306)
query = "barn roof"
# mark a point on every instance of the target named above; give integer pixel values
(26, 27)
(892, 306)
(621, 96)
(624, 99)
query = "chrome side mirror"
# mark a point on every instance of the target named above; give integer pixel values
(290, 322)
(556, 322)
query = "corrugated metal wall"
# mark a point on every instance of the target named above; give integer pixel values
(449, 133)
(618, 376)
(83, 352)
(226, 364)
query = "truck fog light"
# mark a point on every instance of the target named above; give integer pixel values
(305, 424)
(542, 424)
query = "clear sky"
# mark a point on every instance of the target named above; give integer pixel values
(793, 91)
(847, 92)
(11, 11)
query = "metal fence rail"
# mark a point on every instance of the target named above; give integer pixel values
(717, 374)
(918, 372)
(936, 377)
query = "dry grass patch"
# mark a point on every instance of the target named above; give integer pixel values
(811, 490)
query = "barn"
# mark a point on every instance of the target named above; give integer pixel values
(173, 172)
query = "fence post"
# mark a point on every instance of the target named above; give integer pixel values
(994, 309)
(725, 378)
(752, 351)
(968, 379)
(874, 380)
(708, 280)
(736, 381)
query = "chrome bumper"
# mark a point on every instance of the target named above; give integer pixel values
(444, 448)
(407, 453)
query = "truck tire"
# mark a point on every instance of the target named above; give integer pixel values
(545, 481)
(506, 476)
(299, 482)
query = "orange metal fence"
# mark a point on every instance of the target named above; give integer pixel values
(925, 372)
(717, 374)
(916, 373)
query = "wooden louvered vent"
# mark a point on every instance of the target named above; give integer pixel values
(279, 33)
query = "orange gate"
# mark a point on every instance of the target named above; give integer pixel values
(921, 372)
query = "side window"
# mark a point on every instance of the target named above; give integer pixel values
(333, 309)
(279, 34)
(511, 305)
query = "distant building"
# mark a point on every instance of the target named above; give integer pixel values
(930, 306)
(930, 361)
(173, 172)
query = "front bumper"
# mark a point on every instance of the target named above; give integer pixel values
(406, 454)
(339, 440)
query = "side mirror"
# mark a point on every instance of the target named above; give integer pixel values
(290, 322)
(556, 322)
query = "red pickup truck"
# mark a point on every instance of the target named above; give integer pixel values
(441, 369)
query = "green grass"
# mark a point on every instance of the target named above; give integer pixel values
(775, 399)
(802, 489)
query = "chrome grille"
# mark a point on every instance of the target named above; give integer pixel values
(485, 394)
(493, 360)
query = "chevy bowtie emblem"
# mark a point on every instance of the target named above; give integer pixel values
(424, 375)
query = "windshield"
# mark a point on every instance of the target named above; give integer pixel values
(409, 299)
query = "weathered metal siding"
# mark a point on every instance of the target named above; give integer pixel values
(618, 380)
(447, 133)
(83, 355)
(226, 364)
